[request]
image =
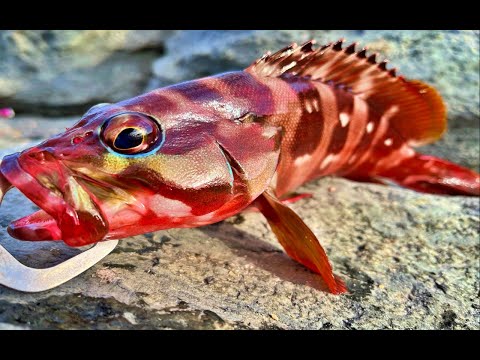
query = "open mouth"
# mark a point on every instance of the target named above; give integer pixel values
(68, 212)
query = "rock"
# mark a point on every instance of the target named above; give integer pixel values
(409, 259)
(27, 128)
(63, 72)
(447, 59)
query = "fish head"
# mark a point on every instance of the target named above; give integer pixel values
(127, 169)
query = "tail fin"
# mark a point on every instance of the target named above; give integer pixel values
(433, 175)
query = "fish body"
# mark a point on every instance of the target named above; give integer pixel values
(199, 152)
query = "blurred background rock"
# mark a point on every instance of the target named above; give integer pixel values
(57, 72)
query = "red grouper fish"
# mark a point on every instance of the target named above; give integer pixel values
(201, 151)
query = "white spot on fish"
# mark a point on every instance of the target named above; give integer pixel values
(302, 160)
(206, 218)
(316, 105)
(394, 159)
(163, 206)
(352, 159)
(378, 137)
(370, 127)
(326, 161)
(225, 108)
(344, 119)
(388, 142)
(289, 66)
(308, 107)
(407, 151)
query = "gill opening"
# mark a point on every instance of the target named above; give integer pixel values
(234, 167)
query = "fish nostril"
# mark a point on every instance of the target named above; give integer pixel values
(80, 138)
(77, 140)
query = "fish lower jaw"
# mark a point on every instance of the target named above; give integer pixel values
(38, 226)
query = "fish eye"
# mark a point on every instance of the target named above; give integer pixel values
(131, 133)
(129, 138)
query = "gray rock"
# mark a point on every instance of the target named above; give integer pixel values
(59, 72)
(409, 259)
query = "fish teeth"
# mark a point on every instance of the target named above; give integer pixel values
(4, 186)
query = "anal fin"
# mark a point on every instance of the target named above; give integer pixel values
(292, 198)
(433, 175)
(286, 199)
(298, 240)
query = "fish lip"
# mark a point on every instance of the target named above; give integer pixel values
(13, 175)
(29, 186)
(72, 225)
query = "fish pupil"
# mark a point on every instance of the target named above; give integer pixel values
(128, 139)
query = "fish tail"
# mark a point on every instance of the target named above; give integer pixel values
(433, 175)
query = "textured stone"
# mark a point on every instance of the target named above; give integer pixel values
(59, 71)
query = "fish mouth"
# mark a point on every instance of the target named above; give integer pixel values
(68, 211)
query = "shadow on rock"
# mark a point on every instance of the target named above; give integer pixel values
(264, 255)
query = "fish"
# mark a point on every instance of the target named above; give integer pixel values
(198, 152)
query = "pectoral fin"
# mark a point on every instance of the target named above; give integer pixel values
(298, 240)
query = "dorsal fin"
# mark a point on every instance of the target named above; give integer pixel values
(420, 115)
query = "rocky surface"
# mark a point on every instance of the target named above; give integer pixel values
(410, 260)
(58, 71)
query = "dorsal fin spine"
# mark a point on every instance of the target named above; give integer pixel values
(363, 76)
